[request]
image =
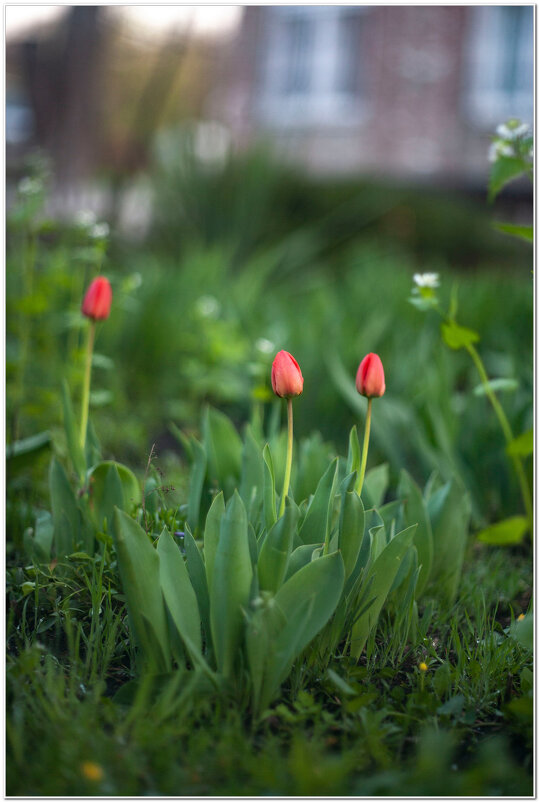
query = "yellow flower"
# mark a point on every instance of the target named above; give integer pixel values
(423, 667)
(521, 617)
(92, 771)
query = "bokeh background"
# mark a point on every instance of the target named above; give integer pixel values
(264, 177)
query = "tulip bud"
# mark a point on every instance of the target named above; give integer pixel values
(286, 378)
(370, 380)
(98, 298)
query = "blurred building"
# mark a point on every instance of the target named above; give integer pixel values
(404, 91)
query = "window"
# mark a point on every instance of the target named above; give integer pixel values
(310, 72)
(499, 75)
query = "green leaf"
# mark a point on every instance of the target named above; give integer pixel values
(179, 595)
(66, 514)
(223, 448)
(92, 449)
(351, 524)
(252, 476)
(508, 385)
(211, 534)
(415, 511)
(23, 452)
(522, 631)
(301, 556)
(379, 580)
(276, 549)
(354, 452)
(229, 594)
(262, 629)
(505, 533)
(138, 562)
(449, 510)
(503, 170)
(456, 336)
(316, 523)
(375, 485)
(72, 434)
(196, 483)
(321, 579)
(197, 575)
(522, 232)
(270, 507)
(521, 446)
(112, 484)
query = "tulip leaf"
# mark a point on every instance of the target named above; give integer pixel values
(276, 549)
(179, 595)
(449, 510)
(260, 634)
(354, 451)
(197, 574)
(196, 483)
(496, 385)
(66, 514)
(379, 580)
(375, 485)
(270, 508)
(112, 484)
(456, 336)
(211, 534)
(415, 511)
(317, 520)
(232, 576)
(351, 524)
(300, 557)
(138, 562)
(505, 533)
(72, 435)
(223, 448)
(252, 476)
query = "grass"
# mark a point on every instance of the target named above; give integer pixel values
(382, 726)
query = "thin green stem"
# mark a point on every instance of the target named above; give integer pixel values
(507, 431)
(86, 385)
(288, 469)
(361, 477)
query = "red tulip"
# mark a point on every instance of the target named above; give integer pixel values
(370, 380)
(286, 378)
(98, 298)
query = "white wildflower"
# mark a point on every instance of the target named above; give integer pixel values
(86, 218)
(30, 186)
(431, 280)
(99, 231)
(265, 346)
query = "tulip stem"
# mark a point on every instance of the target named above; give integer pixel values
(86, 385)
(288, 469)
(365, 451)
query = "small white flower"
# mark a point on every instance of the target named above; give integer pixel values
(208, 306)
(513, 129)
(30, 186)
(521, 130)
(265, 346)
(86, 218)
(431, 280)
(498, 149)
(99, 231)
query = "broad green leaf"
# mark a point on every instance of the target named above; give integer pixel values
(104, 488)
(415, 511)
(351, 525)
(223, 448)
(354, 452)
(179, 595)
(270, 507)
(197, 575)
(138, 562)
(72, 434)
(375, 485)
(260, 634)
(522, 232)
(314, 455)
(211, 534)
(276, 550)
(66, 514)
(316, 523)
(506, 385)
(323, 579)
(229, 594)
(521, 446)
(23, 452)
(301, 556)
(38, 544)
(252, 475)
(379, 578)
(449, 511)
(390, 513)
(503, 170)
(522, 631)
(196, 483)
(505, 533)
(456, 336)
